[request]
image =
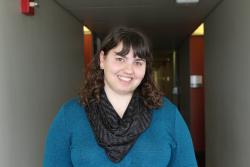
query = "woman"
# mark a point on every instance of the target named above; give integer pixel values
(120, 118)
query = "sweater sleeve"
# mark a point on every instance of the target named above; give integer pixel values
(57, 147)
(183, 153)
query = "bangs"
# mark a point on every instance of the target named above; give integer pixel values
(137, 44)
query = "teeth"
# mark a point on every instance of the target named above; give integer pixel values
(125, 78)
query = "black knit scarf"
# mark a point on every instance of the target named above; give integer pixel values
(117, 135)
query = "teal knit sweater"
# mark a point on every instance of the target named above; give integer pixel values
(71, 141)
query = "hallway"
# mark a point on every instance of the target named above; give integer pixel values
(41, 60)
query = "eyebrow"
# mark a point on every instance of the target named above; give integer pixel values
(136, 59)
(139, 59)
(119, 54)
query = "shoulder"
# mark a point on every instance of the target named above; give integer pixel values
(167, 104)
(167, 109)
(72, 110)
(71, 105)
(165, 116)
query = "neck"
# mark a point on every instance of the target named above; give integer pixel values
(119, 101)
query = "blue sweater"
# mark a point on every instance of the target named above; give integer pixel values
(71, 141)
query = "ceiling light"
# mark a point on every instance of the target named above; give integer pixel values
(86, 30)
(199, 30)
(187, 1)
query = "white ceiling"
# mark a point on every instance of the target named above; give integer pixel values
(164, 22)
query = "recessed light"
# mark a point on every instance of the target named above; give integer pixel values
(187, 1)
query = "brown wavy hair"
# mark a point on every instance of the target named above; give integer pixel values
(130, 38)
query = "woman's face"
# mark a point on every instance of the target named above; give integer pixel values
(122, 74)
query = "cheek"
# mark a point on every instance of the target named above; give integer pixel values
(141, 73)
(114, 70)
(111, 68)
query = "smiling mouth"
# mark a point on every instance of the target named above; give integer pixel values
(126, 79)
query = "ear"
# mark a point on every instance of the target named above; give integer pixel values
(101, 56)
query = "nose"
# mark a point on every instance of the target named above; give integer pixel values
(128, 69)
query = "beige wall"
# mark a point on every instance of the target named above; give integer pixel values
(40, 67)
(227, 66)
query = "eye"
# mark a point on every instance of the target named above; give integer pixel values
(139, 63)
(119, 59)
